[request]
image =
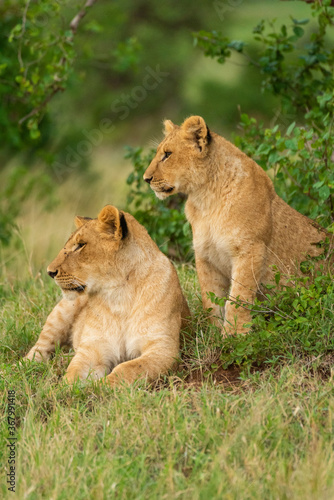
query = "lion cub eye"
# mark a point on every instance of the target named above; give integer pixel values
(79, 246)
(166, 155)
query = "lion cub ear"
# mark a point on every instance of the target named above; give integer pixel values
(195, 129)
(169, 127)
(113, 221)
(80, 221)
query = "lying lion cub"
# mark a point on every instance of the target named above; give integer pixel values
(241, 227)
(122, 307)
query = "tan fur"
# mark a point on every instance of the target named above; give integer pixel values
(241, 227)
(122, 305)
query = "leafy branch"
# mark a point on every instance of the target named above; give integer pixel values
(42, 78)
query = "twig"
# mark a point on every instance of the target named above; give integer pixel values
(41, 106)
(249, 307)
(76, 20)
(24, 22)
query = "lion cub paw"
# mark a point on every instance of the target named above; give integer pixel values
(36, 355)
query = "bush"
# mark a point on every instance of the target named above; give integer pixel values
(164, 220)
(295, 321)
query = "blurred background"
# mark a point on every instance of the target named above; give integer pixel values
(74, 96)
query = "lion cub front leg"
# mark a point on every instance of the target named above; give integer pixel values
(88, 362)
(212, 280)
(56, 329)
(248, 270)
(154, 361)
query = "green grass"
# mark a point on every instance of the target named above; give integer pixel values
(267, 435)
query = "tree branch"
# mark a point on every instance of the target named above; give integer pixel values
(24, 22)
(76, 20)
(41, 106)
(74, 24)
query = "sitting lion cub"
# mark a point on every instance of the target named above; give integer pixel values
(241, 227)
(122, 307)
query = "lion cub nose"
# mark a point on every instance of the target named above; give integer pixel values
(148, 179)
(52, 273)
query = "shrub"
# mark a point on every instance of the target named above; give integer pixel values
(295, 321)
(164, 220)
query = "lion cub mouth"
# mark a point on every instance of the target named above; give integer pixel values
(163, 192)
(79, 288)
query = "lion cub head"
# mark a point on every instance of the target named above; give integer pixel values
(180, 157)
(91, 255)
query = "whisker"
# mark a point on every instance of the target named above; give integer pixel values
(77, 281)
(74, 280)
(153, 142)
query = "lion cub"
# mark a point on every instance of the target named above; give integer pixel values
(241, 227)
(122, 308)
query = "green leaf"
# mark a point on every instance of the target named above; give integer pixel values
(302, 21)
(35, 78)
(324, 193)
(290, 128)
(2, 68)
(298, 31)
(263, 149)
(301, 319)
(94, 26)
(35, 133)
(274, 157)
(237, 45)
(301, 144)
(291, 144)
